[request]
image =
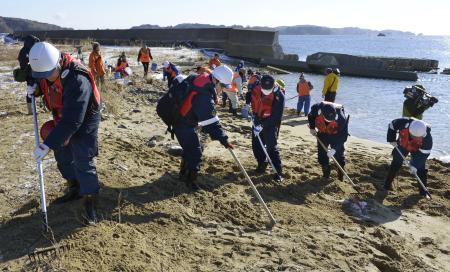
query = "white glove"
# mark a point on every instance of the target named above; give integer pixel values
(40, 152)
(412, 170)
(331, 153)
(313, 132)
(31, 90)
(394, 144)
(257, 130)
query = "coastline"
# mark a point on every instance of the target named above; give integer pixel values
(164, 226)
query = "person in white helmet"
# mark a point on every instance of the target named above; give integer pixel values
(198, 110)
(170, 71)
(414, 136)
(71, 94)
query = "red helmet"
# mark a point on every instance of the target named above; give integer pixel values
(46, 128)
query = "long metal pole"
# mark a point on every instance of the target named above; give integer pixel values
(337, 163)
(255, 191)
(39, 167)
(407, 163)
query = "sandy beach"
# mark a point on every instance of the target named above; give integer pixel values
(152, 222)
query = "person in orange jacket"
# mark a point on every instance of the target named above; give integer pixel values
(215, 61)
(304, 88)
(97, 65)
(122, 64)
(145, 57)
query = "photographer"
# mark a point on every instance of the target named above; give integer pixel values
(417, 101)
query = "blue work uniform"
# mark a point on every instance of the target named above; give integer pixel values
(79, 126)
(335, 141)
(202, 114)
(419, 157)
(268, 134)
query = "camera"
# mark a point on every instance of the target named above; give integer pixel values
(422, 99)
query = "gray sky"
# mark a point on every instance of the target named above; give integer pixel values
(426, 17)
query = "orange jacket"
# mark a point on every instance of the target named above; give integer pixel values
(144, 55)
(303, 88)
(215, 62)
(234, 87)
(121, 67)
(96, 64)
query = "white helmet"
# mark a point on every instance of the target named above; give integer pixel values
(44, 59)
(223, 74)
(166, 64)
(418, 128)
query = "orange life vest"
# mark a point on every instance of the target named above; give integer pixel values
(144, 55)
(53, 93)
(323, 126)
(262, 105)
(405, 141)
(303, 88)
(121, 67)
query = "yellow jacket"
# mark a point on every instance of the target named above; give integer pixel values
(330, 83)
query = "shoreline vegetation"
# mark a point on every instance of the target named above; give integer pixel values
(152, 222)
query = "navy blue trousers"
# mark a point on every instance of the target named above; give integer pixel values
(269, 138)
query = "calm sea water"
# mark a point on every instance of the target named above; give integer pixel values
(373, 103)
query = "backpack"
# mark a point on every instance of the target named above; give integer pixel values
(169, 105)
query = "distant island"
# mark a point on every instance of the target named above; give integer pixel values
(9, 25)
(293, 30)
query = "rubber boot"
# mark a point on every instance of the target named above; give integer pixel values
(388, 181)
(423, 175)
(190, 181)
(30, 110)
(326, 171)
(90, 206)
(182, 174)
(72, 193)
(261, 168)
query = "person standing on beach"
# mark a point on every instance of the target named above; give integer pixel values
(414, 136)
(214, 62)
(97, 65)
(145, 57)
(267, 102)
(304, 88)
(332, 129)
(232, 92)
(330, 84)
(71, 94)
(170, 71)
(198, 110)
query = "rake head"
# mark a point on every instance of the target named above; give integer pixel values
(48, 252)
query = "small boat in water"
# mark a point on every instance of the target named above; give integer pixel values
(381, 35)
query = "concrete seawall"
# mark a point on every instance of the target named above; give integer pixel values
(249, 44)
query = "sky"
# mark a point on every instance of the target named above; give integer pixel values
(418, 16)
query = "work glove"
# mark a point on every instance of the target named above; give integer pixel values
(229, 146)
(40, 152)
(412, 170)
(331, 153)
(394, 144)
(31, 89)
(313, 131)
(257, 130)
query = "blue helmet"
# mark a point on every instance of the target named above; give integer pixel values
(329, 112)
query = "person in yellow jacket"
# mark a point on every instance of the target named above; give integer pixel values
(330, 84)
